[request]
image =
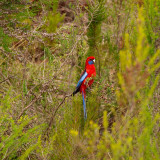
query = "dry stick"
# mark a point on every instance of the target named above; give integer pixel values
(34, 100)
(31, 103)
(54, 114)
(6, 79)
(61, 104)
(27, 107)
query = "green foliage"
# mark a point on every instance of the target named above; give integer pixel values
(124, 141)
(53, 19)
(15, 134)
(134, 74)
(96, 13)
(5, 40)
(48, 54)
(152, 16)
(24, 88)
(9, 3)
(30, 149)
(92, 101)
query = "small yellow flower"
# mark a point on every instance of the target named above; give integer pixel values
(74, 133)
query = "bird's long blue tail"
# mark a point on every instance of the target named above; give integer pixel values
(84, 106)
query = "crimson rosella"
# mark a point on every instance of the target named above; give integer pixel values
(86, 80)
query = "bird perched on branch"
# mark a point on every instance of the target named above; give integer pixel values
(86, 80)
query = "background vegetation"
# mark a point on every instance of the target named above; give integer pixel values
(43, 48)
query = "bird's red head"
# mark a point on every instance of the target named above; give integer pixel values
(90, 60)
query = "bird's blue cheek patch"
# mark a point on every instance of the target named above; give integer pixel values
(90, 62)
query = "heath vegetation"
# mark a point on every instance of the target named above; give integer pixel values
(43, 48)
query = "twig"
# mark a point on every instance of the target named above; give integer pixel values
(27, 107)
(6, 79)
(54, 113)
(60, 104)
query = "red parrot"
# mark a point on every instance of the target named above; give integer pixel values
(86, 80)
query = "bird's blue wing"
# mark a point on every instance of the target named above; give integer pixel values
(84, 106)
(84, 75)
